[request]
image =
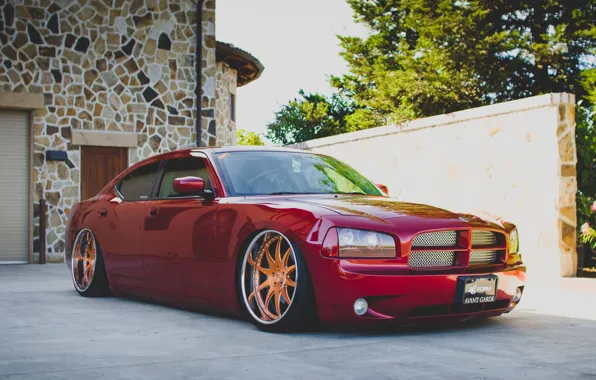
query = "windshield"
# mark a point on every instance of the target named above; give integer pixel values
(273, 173)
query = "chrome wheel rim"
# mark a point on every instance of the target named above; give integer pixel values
(84, 255)
(269, 277)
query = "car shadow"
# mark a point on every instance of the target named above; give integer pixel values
(317, 329)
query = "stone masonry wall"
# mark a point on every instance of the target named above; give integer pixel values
(227, 80)
(105, 65)
(513, 160)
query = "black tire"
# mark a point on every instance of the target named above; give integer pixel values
(98, 285)
(301, 313)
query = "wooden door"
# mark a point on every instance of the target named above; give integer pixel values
(99, 165)
(14, 187)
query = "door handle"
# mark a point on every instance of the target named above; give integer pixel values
(102, 212)
(153, 211)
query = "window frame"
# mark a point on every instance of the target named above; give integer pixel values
(160, 166)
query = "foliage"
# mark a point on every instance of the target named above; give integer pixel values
(585, 131)
(310, 117)
(248, 138)
(589, 83)
(587, 233)
(427, 57)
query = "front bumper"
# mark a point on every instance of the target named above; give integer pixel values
(404, 299)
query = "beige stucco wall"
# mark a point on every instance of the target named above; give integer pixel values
(513, 160)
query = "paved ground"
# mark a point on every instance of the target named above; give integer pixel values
(47, 331)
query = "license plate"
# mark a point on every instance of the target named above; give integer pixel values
(477, 289)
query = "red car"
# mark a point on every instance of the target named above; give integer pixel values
(287, 238)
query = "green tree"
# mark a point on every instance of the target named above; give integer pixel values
(248, 138)
(427, 57)
(585, 136)
(310, 117)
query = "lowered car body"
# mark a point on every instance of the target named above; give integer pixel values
(287, 237)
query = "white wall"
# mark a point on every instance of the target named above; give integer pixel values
(504, 160)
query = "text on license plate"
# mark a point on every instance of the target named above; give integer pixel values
(478, 289)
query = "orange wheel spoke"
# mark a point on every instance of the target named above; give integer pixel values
(259, 288)
(268, 297)
(284, 260)
(276, 301)
(285, 295)
(270, 260)
(278, 252)
(264, 315)
(89, 271)
(77, 254)
(290, 283)
(289, 269)
(251, 261)
(264, 306)
(264, 270)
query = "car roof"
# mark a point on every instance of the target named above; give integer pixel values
(237, 148)
(226, 149)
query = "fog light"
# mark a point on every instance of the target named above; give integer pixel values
(518, 295)
(360, 306)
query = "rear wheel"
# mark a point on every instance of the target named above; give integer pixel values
(275, 284)
(87, 268)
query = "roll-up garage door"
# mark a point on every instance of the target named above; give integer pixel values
(14, 187)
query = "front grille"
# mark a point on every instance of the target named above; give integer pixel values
(436, 239)
(480, 238)
(483, 257)
(431, 259)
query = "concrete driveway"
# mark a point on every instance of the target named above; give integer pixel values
(47, 331)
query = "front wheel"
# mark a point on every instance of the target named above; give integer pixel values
(275, 284)
(87, 267)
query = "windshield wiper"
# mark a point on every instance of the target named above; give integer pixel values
(300, 193)
(286, 193)
(353, 193)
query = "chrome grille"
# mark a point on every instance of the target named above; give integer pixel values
(483, 257)
(436, 239)
(431, 259)
(480, 238)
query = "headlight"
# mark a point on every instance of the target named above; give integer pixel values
(513, 241)
(351, 243)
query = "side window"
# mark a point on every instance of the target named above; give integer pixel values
(182, 167)
(139, 184)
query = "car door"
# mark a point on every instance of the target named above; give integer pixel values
(180, 232)
(124, 218)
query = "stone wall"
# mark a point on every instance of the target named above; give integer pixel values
(119, 65)
(209, 83)
(227, 80)
(513, 160)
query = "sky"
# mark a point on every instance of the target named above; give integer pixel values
(296, 42)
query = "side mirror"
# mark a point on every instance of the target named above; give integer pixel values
(383, 188)
(189, 185)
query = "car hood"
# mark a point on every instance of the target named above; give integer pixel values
(390, 209)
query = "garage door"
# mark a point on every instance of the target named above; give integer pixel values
(14, 187)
